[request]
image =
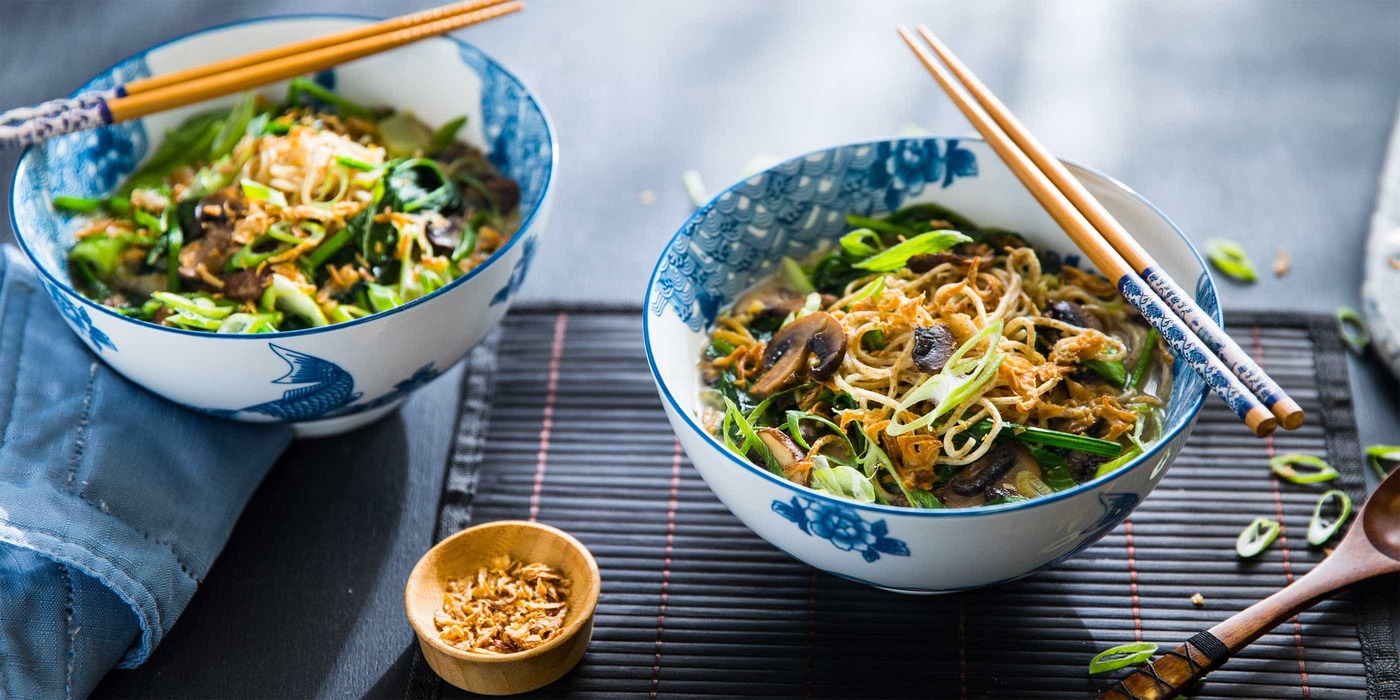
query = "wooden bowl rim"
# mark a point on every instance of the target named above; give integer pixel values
(418, 577)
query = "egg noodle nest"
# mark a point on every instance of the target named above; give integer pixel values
(967, 294)
(506, 607)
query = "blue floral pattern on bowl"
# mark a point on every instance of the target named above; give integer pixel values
(842, 527)
(805, 201)
(79, 318)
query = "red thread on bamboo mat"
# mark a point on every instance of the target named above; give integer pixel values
(666, 565)
(1283, 535)
(556, 354)
(1133, 579)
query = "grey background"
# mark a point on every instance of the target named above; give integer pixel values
(1261, 121)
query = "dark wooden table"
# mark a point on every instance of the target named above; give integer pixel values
(1254, 120)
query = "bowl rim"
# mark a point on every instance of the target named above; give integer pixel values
(1092, 485)
(525, 224)
(417, 580)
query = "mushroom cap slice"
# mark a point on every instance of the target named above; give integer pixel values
(981, 473)
(784, 449)
(817, 334)
(933, 345)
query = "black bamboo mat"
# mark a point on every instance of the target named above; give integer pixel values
(561, 422)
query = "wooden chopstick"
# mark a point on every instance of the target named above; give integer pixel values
(1176, 334)
(392, 24)
(13, 118)
(1288, 412)
(200, 89)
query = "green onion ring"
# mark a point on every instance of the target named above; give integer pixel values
(1230, 258)
(1256, 537)
(1352, 327)
(1122, 655)
(1284, 466)
(1318, 531)
(1376, 454)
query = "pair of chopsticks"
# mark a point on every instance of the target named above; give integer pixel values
(30, 125)
(1186, 328)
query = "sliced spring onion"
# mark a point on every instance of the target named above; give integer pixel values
(284, 295)
(330, 247)
(1114, 465)
(1028, 483)
(148, 221)
(1113, 371)
(873, 289)
(884, 227)
(1320, 528)
(1256, 537)
(795, 277)
(81, 205)
(174, 241)
(695, 187)
(1377, 455)
(1144, 360)
(196, 305)
(1230, 258)
(841, 481)
(382, 298)
(893, 258)
(1285, 466)
(100, 253)
(862, 243)
(1121, 656)
(251, 323)
(794, 418)
(354, 164)
(957, 381)
(1352, 328)
(262, 193)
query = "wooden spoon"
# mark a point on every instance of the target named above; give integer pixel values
(1371, 548)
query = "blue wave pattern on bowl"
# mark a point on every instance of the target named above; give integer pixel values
(325, 389)
(842, 527)
(804, 202)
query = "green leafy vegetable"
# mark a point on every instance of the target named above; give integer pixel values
(1052, 438)
(447, 133)
(1113, 371)
(1230, 258)
(184, 145)
(1256, 537)
(100, 254)
(234, 126)
(306, 86)
(873, 339)
(1324, 525)
(419, 184)
(893, 258)
(1352, 327)
(1122, 656)
(1285, 466)
(881, 226)
(918, 216)
(733, 416)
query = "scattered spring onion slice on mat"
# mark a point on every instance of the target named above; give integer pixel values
(1377, 455)
(1285, 466)
(1321, 529)
(1121, 656)
(1256, 537)
(695, 187)
(1230, 258)
(1352, 327)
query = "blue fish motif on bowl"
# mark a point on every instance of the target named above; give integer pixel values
(842, 527)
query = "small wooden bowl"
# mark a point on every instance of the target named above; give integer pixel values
(462, 555)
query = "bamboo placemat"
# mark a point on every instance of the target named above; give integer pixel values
(561, 422)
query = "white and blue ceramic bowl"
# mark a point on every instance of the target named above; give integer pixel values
(324, 380)
(793, 208)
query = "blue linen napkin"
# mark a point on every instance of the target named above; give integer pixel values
(113, 502)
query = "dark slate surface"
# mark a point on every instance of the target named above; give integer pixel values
(1260, 121)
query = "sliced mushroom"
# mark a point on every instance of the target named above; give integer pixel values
(444, 232)
(1083, 466)
(245, 285)
(218, 210)
(211, 244)
(987, 469)
(783, 448)
(768, 300)
(933, 345)
(1073, 314)
(817, 335)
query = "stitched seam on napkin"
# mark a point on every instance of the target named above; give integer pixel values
(23, 303)
(80, 440)
(102, 507)
(71, 634)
